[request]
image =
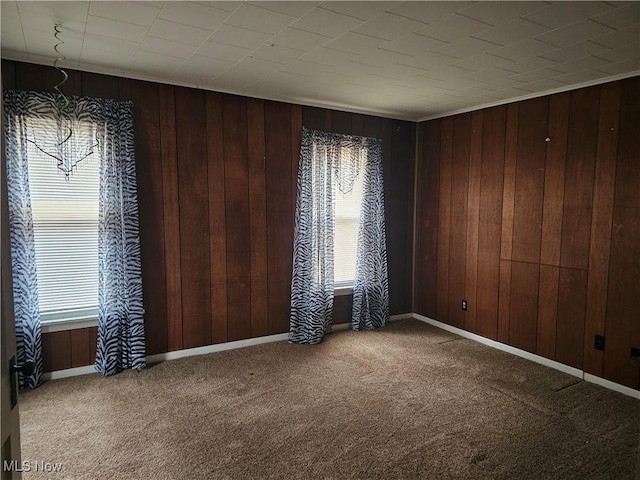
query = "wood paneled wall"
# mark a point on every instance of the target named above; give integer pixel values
(217, 180)
(531, 212)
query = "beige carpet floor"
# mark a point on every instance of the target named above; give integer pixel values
(407, 401)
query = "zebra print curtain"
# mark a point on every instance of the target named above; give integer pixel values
(23, 248)
(120, 343)
(329, 162)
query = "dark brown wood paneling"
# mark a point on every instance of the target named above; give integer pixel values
(217, 218)
(572, 299)
(581, 154)
(171, 218)
(429, 236)
(150, 205)
(399, 212)
(80, 347)
(296, 143)
(547, 311)
(490, 221)
(8, 75)
(56, 351)
(236, 187)
(341, 122)
(316, 118)
(357, 124)
(257, 218)
(93, 344)
(193, 193)
(601, 219)
(524, 305)
(473, 219)
(100, 86)
(529, 179)
(623, 299)
(279, 213)
(372, 128)
(444, 220)
(39, 78)
(509, 184)
(554, 179)
(458, 209)
(342, 307)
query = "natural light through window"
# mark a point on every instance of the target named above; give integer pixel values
(348, 206)
(65, 222)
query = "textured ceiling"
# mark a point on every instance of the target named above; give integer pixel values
(410, 60)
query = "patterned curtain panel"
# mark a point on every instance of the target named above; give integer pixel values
(120, 313)
(120, 342)
(23, 250)
(330, 163)
(371, 282)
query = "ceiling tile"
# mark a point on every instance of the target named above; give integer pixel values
(167, 47)
(452, 28)
(178, 32)
(360, 10)
(108, 58)
(259, 19)
(388, 26)
(526, 48)
(512, 31)
(57, 10)
(194, 14)
(620, 17)
(41, 23)
(486, 75)
(619, 38)
(502, 83)
(325, 22)
(128, 12)
(496, 13)
(39, 43)
(224, 5)
(574, 33)
(99, 43)
(9, 9)
(467, 47)
(560, 14)
(529, 64)
(276, 53)
(294, 38)
(222, 51)
(248, 71)
(240, 37)
(12, 37)
(628, 52)
(327, 56)
(536, 75)
(542, 85)
(618, 68)
(295, 9)
(580, 77)
(428, 60)
(578, 50)
(304, 67)
(115, 29)
(428, 12)
(484, 60)
(151, 3)
(414, 45)
(356, 43)
(155, 63)
(205, 67)
(580, 64)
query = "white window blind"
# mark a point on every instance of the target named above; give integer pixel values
(348, 206)
(65, 222)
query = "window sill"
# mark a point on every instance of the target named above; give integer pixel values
(68, 324)
(339, 291)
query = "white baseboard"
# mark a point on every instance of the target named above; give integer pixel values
(69, 372)
(219, 347)
(576, 372)
(612, 385)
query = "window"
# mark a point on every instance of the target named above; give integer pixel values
(65, 223)
(348, 206)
